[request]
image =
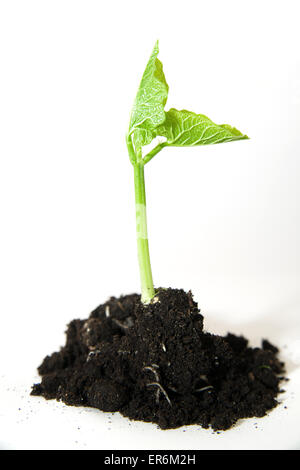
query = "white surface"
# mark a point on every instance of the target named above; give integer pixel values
(223, 220)
(34, 423)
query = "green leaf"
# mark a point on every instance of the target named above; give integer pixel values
(185, 128)
(148, 109)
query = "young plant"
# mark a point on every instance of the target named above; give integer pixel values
(148, 121)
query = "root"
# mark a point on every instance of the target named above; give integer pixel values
(160, 389)
(204, 388)
(152, 370)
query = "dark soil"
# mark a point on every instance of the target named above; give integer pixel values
(155, 363)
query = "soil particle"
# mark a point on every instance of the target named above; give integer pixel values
(155, 363)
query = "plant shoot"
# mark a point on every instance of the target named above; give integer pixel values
(148, 121)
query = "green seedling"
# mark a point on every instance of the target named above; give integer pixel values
(173, 128)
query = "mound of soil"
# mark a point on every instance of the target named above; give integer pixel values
(155, 363)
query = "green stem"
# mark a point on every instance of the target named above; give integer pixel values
(142, 235)
(154, 152)
(130, 148)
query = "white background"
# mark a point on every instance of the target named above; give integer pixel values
(223, 220)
